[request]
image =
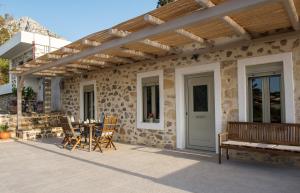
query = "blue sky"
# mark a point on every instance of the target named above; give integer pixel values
(74, 19)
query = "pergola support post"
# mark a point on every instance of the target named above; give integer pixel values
(20, 84)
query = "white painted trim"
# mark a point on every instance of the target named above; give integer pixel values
(139, 115)
(5, 89)
(180, 100)
(24, 37)
(82, 84)
(287, 60)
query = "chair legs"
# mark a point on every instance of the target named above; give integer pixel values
(78, 141)
(66, 141)
(227, 154)
(110, 143)
(98, 144)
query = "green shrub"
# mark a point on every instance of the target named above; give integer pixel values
(3, 128)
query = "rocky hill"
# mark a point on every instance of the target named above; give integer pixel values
(26, 24)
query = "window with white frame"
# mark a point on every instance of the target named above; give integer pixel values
(150, 100)
(265, 93)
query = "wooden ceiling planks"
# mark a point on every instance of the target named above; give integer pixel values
(262, 19)
(256, 20)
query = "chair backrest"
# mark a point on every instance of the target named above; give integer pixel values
(101, 118)
(109, 125)
(66, 125)
(270, 133)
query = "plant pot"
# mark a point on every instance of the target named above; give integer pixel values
(4, 135)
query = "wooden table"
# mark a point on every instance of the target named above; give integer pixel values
(91, 127)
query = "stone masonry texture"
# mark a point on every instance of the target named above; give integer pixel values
(116, 91)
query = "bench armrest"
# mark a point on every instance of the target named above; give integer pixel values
(223, 137)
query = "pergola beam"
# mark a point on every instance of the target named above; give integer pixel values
(227, 20)
(69, 50)
(90, 43)
(76, 70)
(31, 65)
(44, 74)
(93, 62)
(114, 58)
(156, 21)
(290, 8)
(80, 66)
(136, 53)
(122, 34)
(196, 17)
(53, 56)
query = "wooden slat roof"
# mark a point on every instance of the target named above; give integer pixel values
(255, 21)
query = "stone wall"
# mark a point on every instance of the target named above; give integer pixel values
(33, 126)
(116, 89)
(4, 99)
(47, 95)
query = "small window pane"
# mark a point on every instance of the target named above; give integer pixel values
(157, 102)
(257, 110)
(149, 100)
(275, 99)
(200, 98)
(150, 86)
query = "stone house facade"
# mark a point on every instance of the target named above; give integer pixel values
(25, 46)
(168, 92)
(116, 91)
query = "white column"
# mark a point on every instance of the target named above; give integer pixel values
(20, 83)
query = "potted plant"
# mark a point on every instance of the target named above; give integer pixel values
(4, 133)
(150, 117)
(29, 95)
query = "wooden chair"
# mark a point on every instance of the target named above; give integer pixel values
(105, 135)
(70, 134)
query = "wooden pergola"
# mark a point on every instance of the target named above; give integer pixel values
(161, 34)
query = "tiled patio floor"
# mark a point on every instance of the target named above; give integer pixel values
(42, 167)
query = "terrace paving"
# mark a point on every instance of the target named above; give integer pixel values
(44, 167)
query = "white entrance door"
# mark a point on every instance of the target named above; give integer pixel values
(200, 113)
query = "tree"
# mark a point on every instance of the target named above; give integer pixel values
(163, 2)
(5, 35)
(4, 71)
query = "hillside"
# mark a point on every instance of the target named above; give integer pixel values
(26, 24)
(10, 26)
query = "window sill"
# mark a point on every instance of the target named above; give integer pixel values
(153, 126)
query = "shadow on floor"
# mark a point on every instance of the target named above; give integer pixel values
(207, 175)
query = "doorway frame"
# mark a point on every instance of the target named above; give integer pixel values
(180, 73)
(82, 84)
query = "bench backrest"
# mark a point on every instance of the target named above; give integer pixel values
(270, 133)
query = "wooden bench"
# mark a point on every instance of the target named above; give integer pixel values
(261, 137)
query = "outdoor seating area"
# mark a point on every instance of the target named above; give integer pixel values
(94, 134)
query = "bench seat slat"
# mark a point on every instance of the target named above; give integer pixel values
(287, 148)
(262, 146)
(249, 144)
